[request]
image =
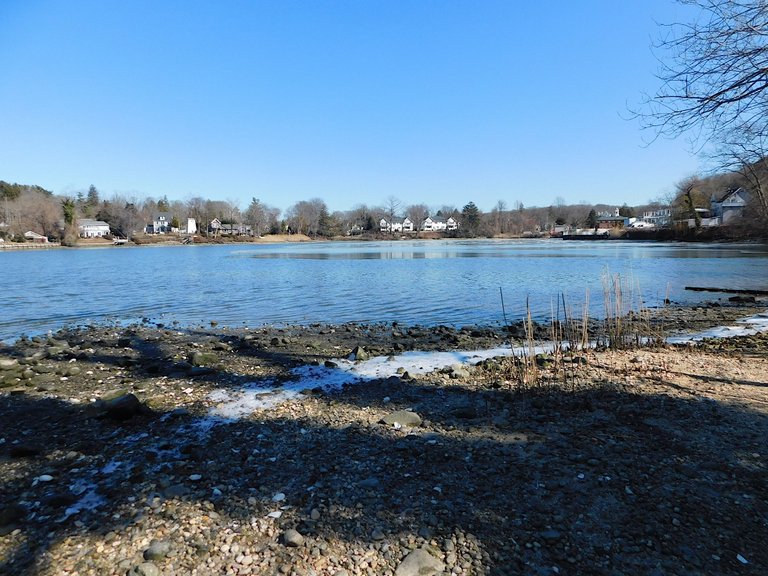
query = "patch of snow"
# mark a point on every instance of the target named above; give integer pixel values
(264, 395)
(744, 327)
(89, 498)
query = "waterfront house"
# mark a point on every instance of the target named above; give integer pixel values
(609, 220)
(661, 217)
(397, 225)
(729, 206)
(235, 230)
(90, 228)
(436, 224)
(161, 223)
(35, 237)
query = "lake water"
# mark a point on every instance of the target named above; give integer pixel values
(412, 282)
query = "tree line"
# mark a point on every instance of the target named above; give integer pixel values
(29, 207)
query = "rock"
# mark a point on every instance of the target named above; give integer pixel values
(25, 451)
(359, 353)
(175, 491)
(292, 538)
(459, 372)
(158, 549)
(465, 412)
(419, 563)
(550, 535)
(742, 299)
(402, 417)
(123, 407)
(203, 359)
(369, 483)
(144, 569)
(8, 363)
(11, 514)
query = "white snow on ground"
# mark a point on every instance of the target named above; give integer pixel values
(744, 327)
(263, 395)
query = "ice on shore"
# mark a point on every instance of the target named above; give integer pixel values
(263, 395)
(744, 327)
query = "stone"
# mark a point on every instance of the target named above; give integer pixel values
(292, 538)
(402, 417)
(369, 483)
(359, 353)
(419, 563)
(11, 514)
(8, 363)
(158, 549)
(465, 412)
(144, 569)
(25, 451)
(203, 359)
(175, 491)
(123, 407)
(459, 372)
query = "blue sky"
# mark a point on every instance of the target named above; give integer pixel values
(435, 102)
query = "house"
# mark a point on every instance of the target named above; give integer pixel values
(660, 218)
(729, 206)
(235, 230)
(397, 225)
(608, 220)
(436, 224)
(90, 228)
(161, 223)
(35, 237)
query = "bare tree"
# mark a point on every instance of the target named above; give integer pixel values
(307, 216)
(391, 207)
(418, 213)
(714, 81)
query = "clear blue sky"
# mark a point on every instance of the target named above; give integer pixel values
(435, 102)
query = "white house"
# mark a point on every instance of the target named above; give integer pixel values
(436, 224)
(90, 228)
(397, 225)
(660, 218)
(161, 223)
(35, 237)
(730, 205)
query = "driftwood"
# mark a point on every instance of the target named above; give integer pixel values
(728, 290)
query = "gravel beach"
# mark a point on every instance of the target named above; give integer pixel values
(120, 454)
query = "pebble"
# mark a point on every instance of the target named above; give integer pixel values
(144, 569)
(292, 538)
(158, 549)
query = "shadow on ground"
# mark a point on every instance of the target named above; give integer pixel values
(600, 481)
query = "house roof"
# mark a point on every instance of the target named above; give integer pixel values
(91, 222)
(728, 193)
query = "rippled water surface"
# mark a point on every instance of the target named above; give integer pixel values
(425, 282)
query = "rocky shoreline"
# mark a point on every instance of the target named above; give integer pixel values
(645, 461)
